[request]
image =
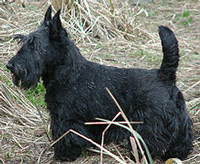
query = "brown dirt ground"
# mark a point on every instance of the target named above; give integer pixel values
(143, 51)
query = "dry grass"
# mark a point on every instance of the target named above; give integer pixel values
(116, 33)
(22, 132)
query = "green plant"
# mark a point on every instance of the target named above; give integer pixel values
(185, 18)
(11, 152)
(195, 106)
(84, 153)
(36, 95)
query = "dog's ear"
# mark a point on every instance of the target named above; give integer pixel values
(48, 15)
(56, 24)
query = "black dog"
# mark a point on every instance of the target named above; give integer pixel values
(76, 93)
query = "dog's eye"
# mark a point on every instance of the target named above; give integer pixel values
(31, 42)
(31, 45)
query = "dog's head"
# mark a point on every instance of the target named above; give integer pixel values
(39, 51)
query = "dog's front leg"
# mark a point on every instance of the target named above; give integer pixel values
(71, 145)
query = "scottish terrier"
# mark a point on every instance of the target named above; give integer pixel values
(75, 93)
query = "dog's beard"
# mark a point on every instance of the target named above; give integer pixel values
(26, 75)
(24, 80)
(16, 79)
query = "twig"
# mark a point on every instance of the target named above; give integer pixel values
(194, 85)
(129, 125)
(91, 141)
(120, 122)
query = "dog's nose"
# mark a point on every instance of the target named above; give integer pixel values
(9, 66)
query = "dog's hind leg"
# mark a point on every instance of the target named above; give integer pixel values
(181, 145)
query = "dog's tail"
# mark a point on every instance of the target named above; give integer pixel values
(170, 49)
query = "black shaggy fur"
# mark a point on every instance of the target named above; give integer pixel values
(75, 93)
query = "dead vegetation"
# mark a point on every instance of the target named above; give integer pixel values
(119, 33)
